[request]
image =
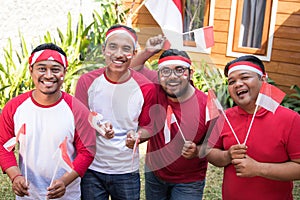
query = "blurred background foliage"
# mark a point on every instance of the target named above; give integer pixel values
(83, 47)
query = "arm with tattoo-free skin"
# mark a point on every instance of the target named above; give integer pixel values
(153, 46)
(222, 158)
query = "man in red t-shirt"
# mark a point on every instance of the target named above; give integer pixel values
(264, 165)
(173, 168)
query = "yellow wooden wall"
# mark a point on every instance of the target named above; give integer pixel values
(284, 67)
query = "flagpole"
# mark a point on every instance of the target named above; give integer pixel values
(224, 114)
(180, 131)
(25, 157)
(250, 124)
(56, 168)
(234, 134)
(135, 148)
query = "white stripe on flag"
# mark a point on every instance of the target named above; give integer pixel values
(10, 144)
(267, 102)
(204, 37)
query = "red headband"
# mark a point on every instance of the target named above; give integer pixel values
(121, 30)
(245, 65)
(174, 60)
(48, 54)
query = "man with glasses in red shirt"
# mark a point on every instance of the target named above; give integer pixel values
(173, 168)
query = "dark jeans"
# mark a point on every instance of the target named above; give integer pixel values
(157, 189)
(96, 185)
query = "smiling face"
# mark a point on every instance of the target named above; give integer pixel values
(243, 87)
(118, 51)
(175, 86)
(47, 77)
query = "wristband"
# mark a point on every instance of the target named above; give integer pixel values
(12, 180)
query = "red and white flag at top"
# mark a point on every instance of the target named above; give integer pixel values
(170, 119)
(204, 37)
(212, 106)
(11, 143)
(269, 97)
(167, 13)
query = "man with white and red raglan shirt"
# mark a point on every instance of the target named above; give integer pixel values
(46, 116)
(124, 98)
(174, 169)
(266, 165)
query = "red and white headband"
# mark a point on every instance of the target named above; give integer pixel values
(174, 60)
(121, 30)
(245, 65)
(48, 54)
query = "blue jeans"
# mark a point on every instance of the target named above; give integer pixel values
(96, 185)
(160, 190)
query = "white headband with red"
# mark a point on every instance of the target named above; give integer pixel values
(123, 31)
(245, 65)
(48, 54)
(174, 60)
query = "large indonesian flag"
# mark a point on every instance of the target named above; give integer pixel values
(170, 119)
(269, 97)
(167, 13)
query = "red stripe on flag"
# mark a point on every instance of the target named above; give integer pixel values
(170, 117)
(211, 107)
(64, 153)
(178, 5)
(21, 131)
(209, 36)
(272, 91)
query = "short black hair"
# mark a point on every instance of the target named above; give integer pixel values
(49, 46)
(248, 58)
(174, 52)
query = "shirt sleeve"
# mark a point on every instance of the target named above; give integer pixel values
(146, 121)
(81, 92)
(84, 139)
(7, 159)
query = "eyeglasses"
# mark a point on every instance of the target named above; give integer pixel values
(178, 71)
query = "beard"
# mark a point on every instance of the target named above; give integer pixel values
(178, 94)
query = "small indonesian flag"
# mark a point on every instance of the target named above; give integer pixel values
(95, 121)
(212, 106)
(269, 97)
(204, 37)
(11, 143)
(62, 156)
(169, 120)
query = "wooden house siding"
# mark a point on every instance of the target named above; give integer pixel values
(284, 66)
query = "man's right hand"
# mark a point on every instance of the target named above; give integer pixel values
(155, 44)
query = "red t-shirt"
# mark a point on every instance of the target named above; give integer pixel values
(165, 159)
(274, 138)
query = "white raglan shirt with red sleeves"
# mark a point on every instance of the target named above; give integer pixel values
(126, 105)
(46, 128)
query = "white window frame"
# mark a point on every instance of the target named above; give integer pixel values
(267, 57)
(210, 23)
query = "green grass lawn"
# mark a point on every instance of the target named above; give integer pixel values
(212, 189)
